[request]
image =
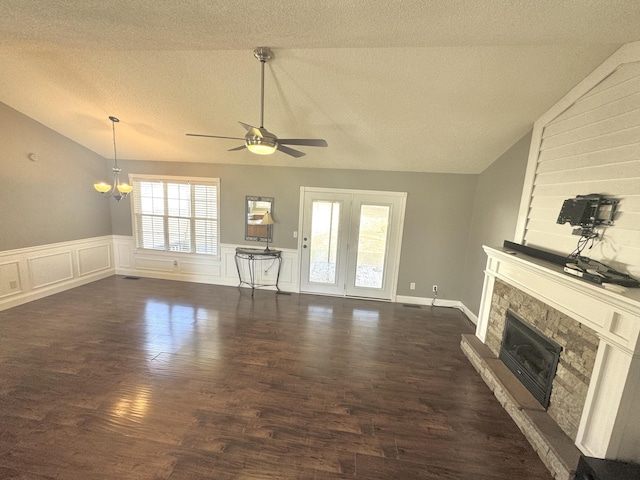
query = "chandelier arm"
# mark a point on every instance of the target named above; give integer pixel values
(115, 190)
(116, 181)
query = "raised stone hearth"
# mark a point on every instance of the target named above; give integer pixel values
(593, 408)
(554, 447)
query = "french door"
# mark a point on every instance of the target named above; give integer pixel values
(350, 242)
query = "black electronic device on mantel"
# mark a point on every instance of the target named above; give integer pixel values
(536, 253)
(597, 272)
(580, 267)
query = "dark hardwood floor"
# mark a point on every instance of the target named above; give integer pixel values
(153, 379)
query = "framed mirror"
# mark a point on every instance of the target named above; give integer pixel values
(256, 208)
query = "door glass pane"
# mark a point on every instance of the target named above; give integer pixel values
(323, 244)
(372, 245)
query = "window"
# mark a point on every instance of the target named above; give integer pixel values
(176, 214)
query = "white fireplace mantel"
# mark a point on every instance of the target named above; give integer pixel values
(610, 422)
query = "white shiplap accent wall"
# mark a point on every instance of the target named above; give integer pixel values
(589, 143)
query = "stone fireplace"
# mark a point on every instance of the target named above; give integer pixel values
(596, 389)
(579, 346)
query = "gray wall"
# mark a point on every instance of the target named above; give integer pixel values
(448, 216)
(495, 215)
(52, 199)
(438, 214)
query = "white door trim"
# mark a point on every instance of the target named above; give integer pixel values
(393, 278)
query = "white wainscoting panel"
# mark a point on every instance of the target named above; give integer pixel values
(10, 283)
(154, 264)
(191, 267)
(199, 268)
(94, 259)
(28, 274)
(49, 269)
(229, 268)
(123, 253)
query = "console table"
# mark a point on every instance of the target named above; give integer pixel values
(251, 256)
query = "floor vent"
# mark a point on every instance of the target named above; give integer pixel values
(410, 305)
(131, 278)
(283, 293)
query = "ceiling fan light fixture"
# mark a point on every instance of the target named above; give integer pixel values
(258, 139)
(261, 145)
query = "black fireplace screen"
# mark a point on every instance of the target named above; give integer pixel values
(531, 356)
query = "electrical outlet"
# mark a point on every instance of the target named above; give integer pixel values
(412, 286)
(13, 284)
(435, 289)
(295, 234)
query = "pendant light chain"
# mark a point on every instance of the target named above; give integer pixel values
(114, 120)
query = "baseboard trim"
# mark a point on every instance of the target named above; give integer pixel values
(438, 303)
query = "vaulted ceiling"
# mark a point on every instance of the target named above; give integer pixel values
(409, 85)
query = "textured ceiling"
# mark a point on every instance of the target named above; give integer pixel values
(412, 85)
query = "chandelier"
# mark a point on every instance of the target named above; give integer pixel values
(117, 190)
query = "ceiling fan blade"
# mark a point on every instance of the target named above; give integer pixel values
(211, 136)
(237, 148)
(290, 151)
(253, 130)
(309, 142)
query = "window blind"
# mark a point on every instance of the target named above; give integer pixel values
(176, 214)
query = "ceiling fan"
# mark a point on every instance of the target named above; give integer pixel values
(258, 139)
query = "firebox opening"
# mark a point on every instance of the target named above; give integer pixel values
(531, 356)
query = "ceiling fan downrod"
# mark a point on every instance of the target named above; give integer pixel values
(263, 54)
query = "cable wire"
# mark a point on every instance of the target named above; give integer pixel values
(583, 241)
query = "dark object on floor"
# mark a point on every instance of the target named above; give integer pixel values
(590, 468)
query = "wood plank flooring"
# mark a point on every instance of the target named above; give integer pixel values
(152, 379)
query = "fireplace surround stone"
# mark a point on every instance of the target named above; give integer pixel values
(579, 347)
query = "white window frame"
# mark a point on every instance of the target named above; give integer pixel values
(165, 180)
